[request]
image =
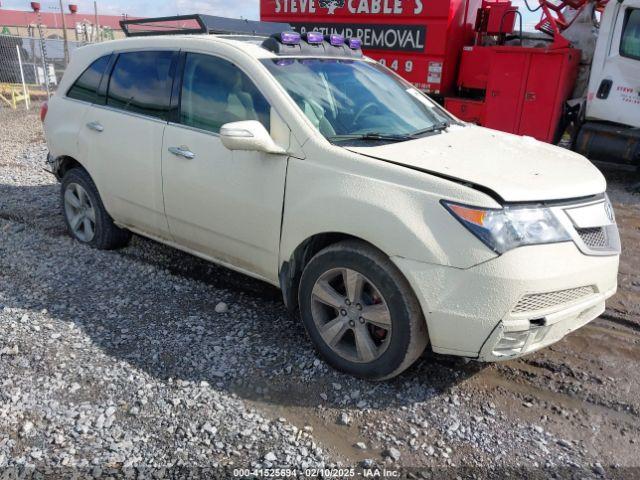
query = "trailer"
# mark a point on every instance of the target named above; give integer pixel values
(576, 81)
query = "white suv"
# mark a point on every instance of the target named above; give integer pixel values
(388, 223)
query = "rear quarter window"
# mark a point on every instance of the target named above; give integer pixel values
(141, 83)
(86, 86)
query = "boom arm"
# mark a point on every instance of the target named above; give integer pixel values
(553, 21)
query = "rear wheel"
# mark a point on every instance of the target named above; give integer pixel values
(360, 312)
(85, 215)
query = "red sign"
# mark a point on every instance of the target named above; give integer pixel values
(345, 7)
(419, 39)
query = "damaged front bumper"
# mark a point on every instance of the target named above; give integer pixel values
(511, 340)
(523, 300)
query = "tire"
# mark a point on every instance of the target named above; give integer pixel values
(399, 333)
(81, 200)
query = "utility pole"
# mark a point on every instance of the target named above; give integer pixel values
(97, 25)
(65, 36)
(43, 50)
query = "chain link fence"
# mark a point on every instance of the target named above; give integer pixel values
(30, 69)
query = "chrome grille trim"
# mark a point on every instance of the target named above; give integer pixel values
(591, 225)
(535, 302)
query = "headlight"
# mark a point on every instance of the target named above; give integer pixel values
(510, 227)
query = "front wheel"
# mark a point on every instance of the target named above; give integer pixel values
(360, 312)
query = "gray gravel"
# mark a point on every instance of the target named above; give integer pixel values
(99, 370)
(148, 357)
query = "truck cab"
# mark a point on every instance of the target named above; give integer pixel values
(614, 85)
(610, 130)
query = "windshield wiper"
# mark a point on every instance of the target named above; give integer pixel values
(375, 136)
(391, 137)
(433, 128)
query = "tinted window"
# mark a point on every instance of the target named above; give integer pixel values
(86, 86)
(141, 83)
(630, 44)
(215, 92)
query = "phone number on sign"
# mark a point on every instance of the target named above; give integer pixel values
(292, 472)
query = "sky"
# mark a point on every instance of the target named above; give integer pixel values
(157, 8)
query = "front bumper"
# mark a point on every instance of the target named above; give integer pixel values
(514, 304)
(510, 340)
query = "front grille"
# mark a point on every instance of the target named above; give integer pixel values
(534, 302)
(594, 237)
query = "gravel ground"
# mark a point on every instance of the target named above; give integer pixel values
(150, 358)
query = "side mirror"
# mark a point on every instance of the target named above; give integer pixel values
(248, 135)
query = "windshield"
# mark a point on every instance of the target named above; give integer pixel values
(350, 99)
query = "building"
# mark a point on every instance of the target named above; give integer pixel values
(80, 26)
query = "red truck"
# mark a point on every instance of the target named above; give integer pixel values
(422, 40)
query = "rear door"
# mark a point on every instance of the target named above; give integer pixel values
(67, 111)
(225, 205)
(123, 138)
(614, 86)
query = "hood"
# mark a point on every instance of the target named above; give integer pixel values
(517, 169)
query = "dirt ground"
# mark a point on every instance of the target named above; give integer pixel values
(576, 403)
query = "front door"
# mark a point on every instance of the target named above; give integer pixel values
(222, 204)
(614, 86)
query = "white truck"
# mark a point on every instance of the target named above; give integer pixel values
(609, 128)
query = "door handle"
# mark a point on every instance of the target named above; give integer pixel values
(182, 152)
(604, 89)
(95, 126)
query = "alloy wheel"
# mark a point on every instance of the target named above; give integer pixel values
(80, 212)
(351, 315)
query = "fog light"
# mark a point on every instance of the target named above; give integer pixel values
(512, 341)
(510, 344)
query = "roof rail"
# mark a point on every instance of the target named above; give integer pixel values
(199, 24)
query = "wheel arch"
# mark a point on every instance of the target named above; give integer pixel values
(63, 164)
(291, 270)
